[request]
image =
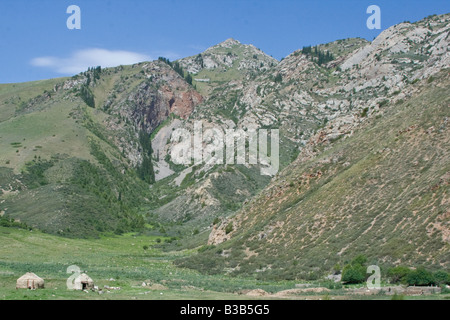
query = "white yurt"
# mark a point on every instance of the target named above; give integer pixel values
(83, 282)
(30, 281)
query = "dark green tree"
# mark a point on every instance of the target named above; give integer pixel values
(145, 170)
(87, 96)
(355, 271)
(398, 274)
(420, 277)
(353, 274)
(278, 78)
(189, 79)
(441, 278)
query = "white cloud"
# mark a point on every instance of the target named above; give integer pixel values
(80, 60)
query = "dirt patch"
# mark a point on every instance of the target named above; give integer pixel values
(156, 287)
(291, 292)
(255, 293)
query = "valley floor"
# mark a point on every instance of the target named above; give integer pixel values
(126, 262)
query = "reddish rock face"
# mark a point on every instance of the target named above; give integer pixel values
(181, 103)
(167, 93)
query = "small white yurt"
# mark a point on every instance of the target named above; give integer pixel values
(83, 282)
(30, 281)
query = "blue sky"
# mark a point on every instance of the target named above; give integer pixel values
(35, 42)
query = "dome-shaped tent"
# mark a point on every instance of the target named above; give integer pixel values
(30, 281)
(83, 282)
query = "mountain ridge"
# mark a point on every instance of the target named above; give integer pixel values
(100, 121)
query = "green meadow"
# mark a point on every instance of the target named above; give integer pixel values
(124, 261)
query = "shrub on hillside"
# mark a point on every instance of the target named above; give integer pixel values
(441, 278)
(353, 274)
(229, 228)
(398, 274)
(355, 271)
(11, 223)
(360, 260)
(420, 277)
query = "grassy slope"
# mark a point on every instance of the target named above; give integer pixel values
(11, 95)
(382, 192)
(122, 258)
(42, 134)
(59, 127)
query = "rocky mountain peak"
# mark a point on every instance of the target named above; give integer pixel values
(230, 54)
(229, 43)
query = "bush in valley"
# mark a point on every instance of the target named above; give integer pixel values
(307, 50)
(355, 271)
(398, 274)
(441, 278)
(11, 223)
(420, 277)
(353, 274)
(332, 285)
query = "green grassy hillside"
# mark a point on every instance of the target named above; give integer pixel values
(61, 170)
(126, 262)
(115, 261)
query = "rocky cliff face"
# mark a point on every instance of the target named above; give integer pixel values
(363, 79)
(155, 100)
(312, 105)
(162, 93)
(337, 115)
(143, 100)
